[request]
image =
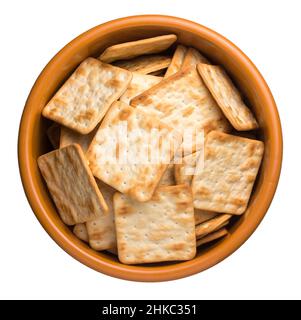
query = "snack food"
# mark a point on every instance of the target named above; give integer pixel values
(101, 230)
(201, 216)
(231, 164)
(145, 64)
(227, 97)
(143, 206)
(139, 83)
(177, 60)
(85, 97)
(211, 225)
(212, 236)
(132, 49)
(80, 231)
(192, 58)
(69, 136)
(185, 170)
(72, 185)
(183, 101)
(161, 229)
(136, 177)
(168, 178)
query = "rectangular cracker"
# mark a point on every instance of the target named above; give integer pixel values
(185, 170)
(72, 185)
(192, 58)
(202, 229)
(201, 216)
(231, 165)
(228, 97)
(85, 97)
(212, 236)
(131, 172)
(80, 231)
(177, 60)
(168, 178)
(139, 83)
(183, 102)
(101, 231)
(53, 134)
(145, 64)
(69, 136)
(132, 49)
(161, 229)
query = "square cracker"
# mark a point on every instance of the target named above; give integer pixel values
(72, 185)
(161, 229)
(201, 230)
(80, 231)
(101, 231)
(145, 64)
(85, 97)
(228, 97)
(192, 58)
(212, 236)
(183, 101)
(69, 136)
(119, 159)
(132, 49)
(231, 164)
(139, 83)
(177, 60)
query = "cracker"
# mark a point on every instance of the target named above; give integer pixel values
(231, 165)
(161, 229)
(183, 102)
(192, 58)
(201, 216)
(225, 224)
(85, 97)
(69, 136)
(133, 174)
(228, 97)
(168, 178)
(201, 230)
(212, 236)
(72, 185)
(139, 83)
(129, 50)
(177, 60)
(53, 134)
(101, 231)
(185, 170)
(145, 64)
(80, 231)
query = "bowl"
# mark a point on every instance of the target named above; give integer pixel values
(33, 140)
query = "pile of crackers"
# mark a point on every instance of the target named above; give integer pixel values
(150, 212)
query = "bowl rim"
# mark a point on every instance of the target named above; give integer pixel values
(141, 273)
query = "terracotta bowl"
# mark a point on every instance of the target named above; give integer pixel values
(33, 141)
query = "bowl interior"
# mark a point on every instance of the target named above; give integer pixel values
(34, 140)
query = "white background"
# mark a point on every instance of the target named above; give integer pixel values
(33, 266)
